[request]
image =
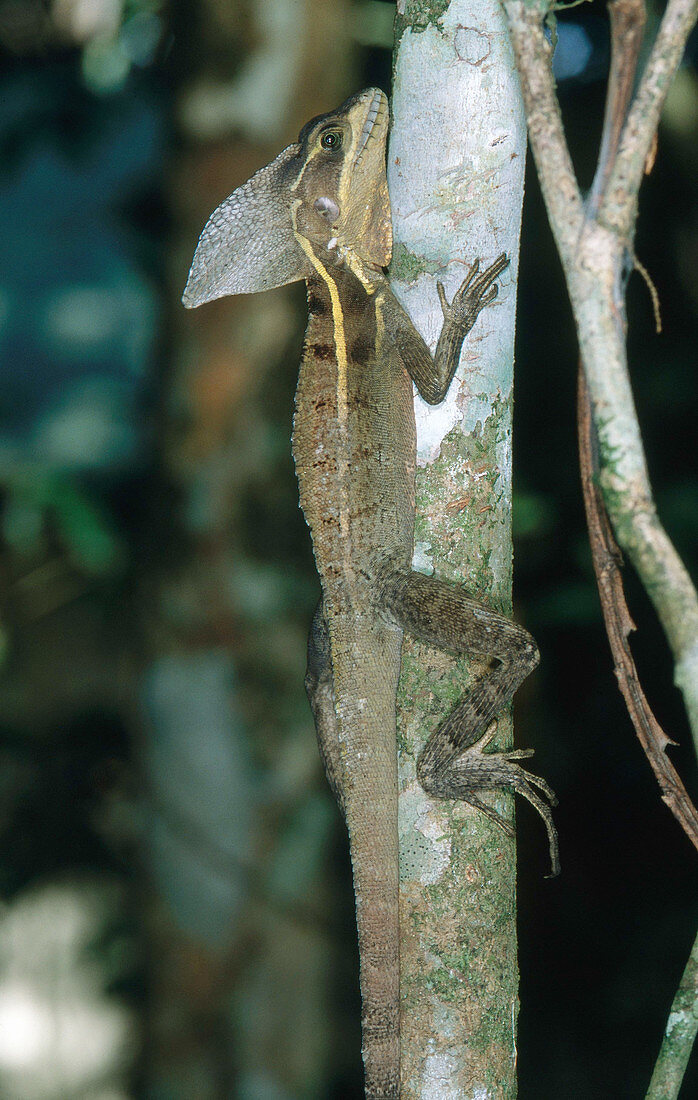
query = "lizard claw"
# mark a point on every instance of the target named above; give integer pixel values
(477, 290)
(442, 297)
(471, 275)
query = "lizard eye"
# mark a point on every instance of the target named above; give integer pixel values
(332, 140)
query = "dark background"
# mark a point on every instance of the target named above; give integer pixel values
(177, 917)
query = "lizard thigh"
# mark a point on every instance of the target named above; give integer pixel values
(446, 616)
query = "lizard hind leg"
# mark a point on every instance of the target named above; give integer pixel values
(453, 763)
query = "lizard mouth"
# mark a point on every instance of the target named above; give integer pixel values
(376, 110)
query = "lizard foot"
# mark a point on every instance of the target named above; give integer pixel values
(475, 770)
(477, 290)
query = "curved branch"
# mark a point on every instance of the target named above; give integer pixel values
(533, 53)
(592, 255)
(679, 1035)
(618, 206)
(619, 624)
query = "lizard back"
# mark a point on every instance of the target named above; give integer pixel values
(353, 439)
(354, 448)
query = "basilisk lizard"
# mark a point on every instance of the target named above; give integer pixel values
(320, 212)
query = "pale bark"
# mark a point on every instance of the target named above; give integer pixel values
(455, 166)
(592, 250)
(594, 243)
(679, 1035)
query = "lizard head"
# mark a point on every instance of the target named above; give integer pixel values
(341, 190)
(329, 188)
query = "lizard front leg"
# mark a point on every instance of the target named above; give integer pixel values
(453, 763)
(433, 375)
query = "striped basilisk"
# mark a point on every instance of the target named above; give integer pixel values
(320, 212)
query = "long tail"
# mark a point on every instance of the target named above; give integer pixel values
(374, 862)
(365, 705)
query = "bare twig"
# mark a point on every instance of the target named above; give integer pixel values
(593, 251)
(533, 54)
(619, 204)
(607, 559)
(679, 1035)
(627, 28)
(594, 245)
(628, 18)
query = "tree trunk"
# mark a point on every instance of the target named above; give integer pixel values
(456, 166)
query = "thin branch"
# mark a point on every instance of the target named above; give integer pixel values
(592, 258)
(627, 28)
(679, 1035)
(618, 205)
(628, 18)
(533, 53)
(607, 559)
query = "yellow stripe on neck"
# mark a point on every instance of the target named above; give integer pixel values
(340, 342)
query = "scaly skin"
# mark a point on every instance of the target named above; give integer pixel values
(354, 447)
